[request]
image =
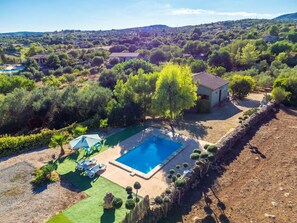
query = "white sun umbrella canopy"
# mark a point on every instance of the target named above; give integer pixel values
(85, 141)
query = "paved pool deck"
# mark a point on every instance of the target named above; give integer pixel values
(157, 183)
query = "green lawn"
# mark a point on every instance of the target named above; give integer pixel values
(91, 209)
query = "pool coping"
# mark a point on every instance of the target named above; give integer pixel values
(156, 168)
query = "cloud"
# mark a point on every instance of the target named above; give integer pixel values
(185, 11)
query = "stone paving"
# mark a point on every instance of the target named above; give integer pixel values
(157, 184)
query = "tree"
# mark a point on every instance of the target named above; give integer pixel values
(197, 31)
(117, 203)
(53, 61)
(240, 85)
(220, 59)
(249, 54)
(97, 61)
(157, 57)
(281, 46)
(137, 186)
(292, 36)
(59, 140)
(273, 31)
(175, 90)
(130, 204)
(198, 66)
(279, 94)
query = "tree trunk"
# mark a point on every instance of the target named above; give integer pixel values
(62, 151)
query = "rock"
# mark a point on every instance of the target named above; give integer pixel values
(108, 200)
(274, 204)
(281, 188)
(270, 216)
(286, 194)
(257, 158)
(197, 219)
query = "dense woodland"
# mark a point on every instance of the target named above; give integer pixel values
(78, 81)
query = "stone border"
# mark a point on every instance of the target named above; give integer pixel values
(159, 166)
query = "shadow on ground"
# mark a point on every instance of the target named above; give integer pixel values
(108, 216)
(208, 185)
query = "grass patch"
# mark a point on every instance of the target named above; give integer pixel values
(59, 218)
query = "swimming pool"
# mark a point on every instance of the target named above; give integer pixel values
(149, 154)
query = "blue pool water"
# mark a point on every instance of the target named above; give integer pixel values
(149, 154)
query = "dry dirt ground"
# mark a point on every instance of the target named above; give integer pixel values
(20, 203)
(253, 187)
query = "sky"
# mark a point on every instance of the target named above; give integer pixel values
(52, 15)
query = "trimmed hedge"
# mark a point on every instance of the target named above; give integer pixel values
(10, 145)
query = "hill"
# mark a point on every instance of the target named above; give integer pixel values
(287, 17)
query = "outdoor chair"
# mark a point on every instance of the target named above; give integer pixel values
(92, 171)
(86, 164)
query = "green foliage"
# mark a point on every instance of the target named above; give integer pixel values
(10, 145)
(197, 151)
(175, 91)
(104, 123)
(129, 189)
(157, 57)
(204, 155)
(195, 156)
(180, 183)
(172, 171)
(117, 203)
(79, 130)
(177, 166)
(279, 94)
(45, 175)
(132, 66)
(130, 204)
(218, 71)
(168, 191)
(273, 31)
(137, 185)
(250, 112)
(203, 106)
(198, 66)
(59, 140)
(97, 61)
(158, 200)
(212, 149)
(53, 61)
(281, 46)
(292, 36)
(249, 54)
(289, 85)
(240, 86)
(10, 82)
(220, 58)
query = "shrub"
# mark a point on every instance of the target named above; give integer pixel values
(180, 183)
(240, 86)
(159, 200)
(169, 176)
(173, 179)
(168, 191)
(204, 155)
(197, 151)
(212, 149)
(129, 190)
(177, 166)
(130, 204)
(166, 199)
(16, 144)
(250, 112)
(279, 94)
(185, 164)
(45, 174)
(211, 158)
(195, 156)
(117, 203)
(172, 171)
(203, 106)
(178, 175)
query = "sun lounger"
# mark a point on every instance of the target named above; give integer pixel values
(92, 171)
(86, 164)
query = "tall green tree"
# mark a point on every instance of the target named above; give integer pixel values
(249, 54)
(175, 90)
